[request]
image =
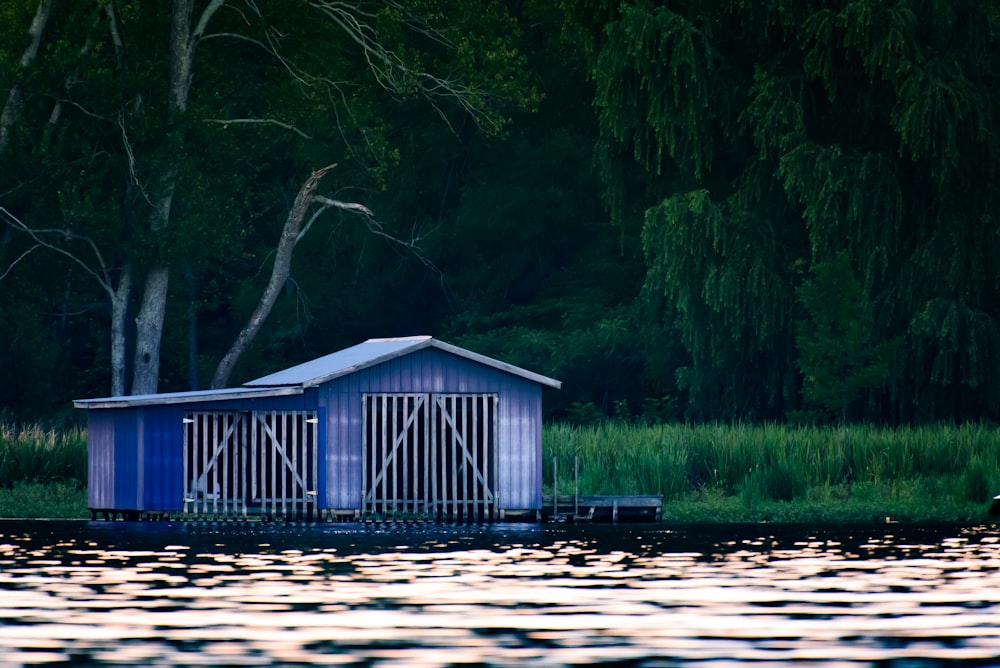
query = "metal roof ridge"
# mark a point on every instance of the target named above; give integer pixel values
(393, 339)
(419, 342)
(403, 346)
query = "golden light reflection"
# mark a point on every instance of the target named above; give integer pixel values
(430, 596)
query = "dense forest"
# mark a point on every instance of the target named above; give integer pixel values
(692, 210)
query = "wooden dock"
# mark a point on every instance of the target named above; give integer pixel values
(633, 508)
(597, 508)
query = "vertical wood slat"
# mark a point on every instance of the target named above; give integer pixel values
(297, 491)
(475, 456)
(185, 444)
(427, 457)
(404, 438)
(391, 456)
(434, 455)
(365, 444)
(383, 443)
(203, 444)
(197, 456)
(495, 452)
(273, 463)
(483, 428)
(244, 440)
(464, 442)
(255, 447)
(454, 459)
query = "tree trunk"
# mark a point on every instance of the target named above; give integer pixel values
(279, 274)
(13, 104)
(149, 331)
(152, 312)
(119, 312)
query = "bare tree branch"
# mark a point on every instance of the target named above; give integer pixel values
(375, 227)
(101, 275)
(258, 121)
(131, 162)
(279, 274)
(18, 260)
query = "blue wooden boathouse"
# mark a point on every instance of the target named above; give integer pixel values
(389, 428)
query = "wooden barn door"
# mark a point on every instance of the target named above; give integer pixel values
(241, 462)
(430, 456)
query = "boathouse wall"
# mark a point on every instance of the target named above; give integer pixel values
(136, 445)
(429, 371)
(134, 453)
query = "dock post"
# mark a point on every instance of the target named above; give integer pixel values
(555, 486)
(576, 486)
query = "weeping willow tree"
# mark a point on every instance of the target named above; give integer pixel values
(754, 141)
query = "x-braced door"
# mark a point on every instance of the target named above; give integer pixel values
(430, 455)
(240, 462)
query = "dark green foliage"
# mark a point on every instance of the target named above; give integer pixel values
(761, 139)
(837, 357)
(647, 200)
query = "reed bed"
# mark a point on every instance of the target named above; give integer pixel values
(33, 454)
(785, 473)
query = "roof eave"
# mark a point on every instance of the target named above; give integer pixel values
(186, 397)
(496, 364)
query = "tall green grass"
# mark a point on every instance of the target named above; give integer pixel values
(36, 455)
(776, 472)
(43, 472)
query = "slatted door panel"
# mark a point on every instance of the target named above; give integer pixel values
(466, 438)
(265, 462)
(429, 456)
(396, 431)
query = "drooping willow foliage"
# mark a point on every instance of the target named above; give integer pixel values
(753, 142)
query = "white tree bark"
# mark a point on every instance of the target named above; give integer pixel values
(149, 330)
(13, 104)
(153, 308)
(119, 311)
(279, 274)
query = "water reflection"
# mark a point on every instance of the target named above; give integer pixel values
(429, 595)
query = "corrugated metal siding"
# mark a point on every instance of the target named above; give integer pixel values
(126, 466)
(433, 371)
(135, 455)
(100, 459)
(163, 440)
(296, 402)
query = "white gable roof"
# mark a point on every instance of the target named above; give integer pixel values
(376, 351)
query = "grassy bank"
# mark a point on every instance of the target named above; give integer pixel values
(717, 473)
(43, 472)
(710, 473)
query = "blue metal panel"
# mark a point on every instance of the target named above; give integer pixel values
(296, 402)
(162, 457)
(321, 436)
(126, 466)
(100, 459)
(343, 454)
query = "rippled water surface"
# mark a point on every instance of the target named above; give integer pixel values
(431, 595)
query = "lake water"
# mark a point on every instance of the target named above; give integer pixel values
(507, 595)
